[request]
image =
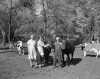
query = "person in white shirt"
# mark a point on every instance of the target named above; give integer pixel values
(31, 50)
(40, 45)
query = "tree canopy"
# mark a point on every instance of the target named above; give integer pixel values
(65, 17)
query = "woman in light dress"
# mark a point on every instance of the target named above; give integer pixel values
(40, 47)
(31, 43)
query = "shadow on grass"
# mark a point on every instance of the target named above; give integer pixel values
(49, 61)
(76, 61)
(88, 55)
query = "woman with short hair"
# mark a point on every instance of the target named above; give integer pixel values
(31, 43)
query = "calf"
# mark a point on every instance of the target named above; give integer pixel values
(20, 47)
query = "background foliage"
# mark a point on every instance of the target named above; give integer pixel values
(71, 18)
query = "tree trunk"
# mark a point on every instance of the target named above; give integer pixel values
(3, 39)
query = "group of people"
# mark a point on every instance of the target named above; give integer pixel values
(39, 51)
(36, 52)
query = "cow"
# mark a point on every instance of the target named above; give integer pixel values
(68, 48)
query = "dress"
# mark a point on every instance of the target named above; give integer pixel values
(40, 45)
(31, 49)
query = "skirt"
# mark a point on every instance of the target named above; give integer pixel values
(41, 51)
(31, 53)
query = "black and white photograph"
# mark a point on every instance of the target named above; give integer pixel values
(49, 39)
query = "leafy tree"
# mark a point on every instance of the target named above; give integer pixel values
(7, 19)
(64, 17)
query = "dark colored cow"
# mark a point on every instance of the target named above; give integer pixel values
(68, 48)
(47, 51)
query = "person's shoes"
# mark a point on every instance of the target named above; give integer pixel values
(31, 65)
(46, 64)
(54, 67)
(60, 67)
(35, 66)
(40, 66)
(19, 54)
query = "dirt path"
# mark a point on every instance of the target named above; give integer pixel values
(13, 66)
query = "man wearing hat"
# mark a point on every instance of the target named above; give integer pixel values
(58, 53)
